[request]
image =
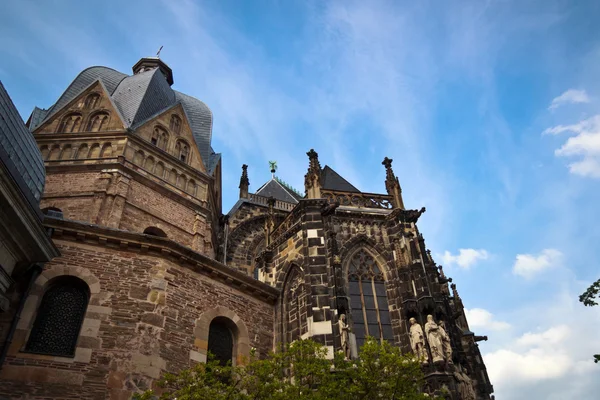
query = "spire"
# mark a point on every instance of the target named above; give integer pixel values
(392, 185)
(244, 183)
(312, 179)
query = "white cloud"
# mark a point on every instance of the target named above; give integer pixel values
(529, 265)
(465, 257)
(585, 143)
(480, 318)
(571, 96)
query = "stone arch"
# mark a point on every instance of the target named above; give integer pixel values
(54, 152)
(69, 123)
(192, 188)
(97, 121)
(45, 152)
(91, 101)
(94, 151)
(294, 304)
(284, 271)
(182, 181)
(175, 124)
(182, 150)
(173, 176)
(363, 241)
(82, 152)
(154, 231)
(159, 170)
(241, 340)
(138, 158)
(106, 150)
(149, 164)
(67, 152)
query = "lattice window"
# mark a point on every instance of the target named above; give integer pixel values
(59, 318)
(220, 341)
(368, 299)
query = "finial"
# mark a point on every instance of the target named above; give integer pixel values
(312, 154)
(387, 162)
(392, 185)
(312, 179)
(273, 166)
(158, 52)
(244, 182)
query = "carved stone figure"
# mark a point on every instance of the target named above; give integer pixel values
(465, 385)
(434, 338)
(447, 346)
(344, 336)
(417, 341)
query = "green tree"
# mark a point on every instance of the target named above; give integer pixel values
(301, 372)
(588, 298)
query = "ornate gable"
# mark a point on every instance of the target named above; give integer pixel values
(171, 131)
(92, 111)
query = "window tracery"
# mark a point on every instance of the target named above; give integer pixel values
(70, 123)
(368, 299)
(92, 101)
(175, 125)
(98, 122)
(59, 318)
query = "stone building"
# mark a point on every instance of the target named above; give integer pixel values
(125, 267)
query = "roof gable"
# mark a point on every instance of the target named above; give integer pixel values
(275, 189)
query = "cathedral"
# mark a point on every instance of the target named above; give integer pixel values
(118, 264)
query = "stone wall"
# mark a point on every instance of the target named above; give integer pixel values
(147, 314)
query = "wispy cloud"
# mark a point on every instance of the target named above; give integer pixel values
(529, 265)
(465, 258)
(585, 143)
(571, 96)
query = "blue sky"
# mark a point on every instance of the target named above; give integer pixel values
(488, 108)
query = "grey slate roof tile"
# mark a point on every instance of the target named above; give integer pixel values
(20, 149)
(333, 181)
(141, 96)
(275, 189)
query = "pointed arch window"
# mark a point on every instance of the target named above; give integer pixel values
(59, 318)
(368, 299)
(175, 124)
(70, 123)
(294, 306)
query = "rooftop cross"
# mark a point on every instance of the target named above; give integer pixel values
(158, 52)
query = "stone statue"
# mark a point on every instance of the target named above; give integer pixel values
(417, 341)
(434, 337)
(447, 346)
(465, 385)
(344, 336)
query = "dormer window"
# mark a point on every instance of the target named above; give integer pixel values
(182, 150)
(175, 125)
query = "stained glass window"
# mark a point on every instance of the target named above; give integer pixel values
(220, 341)
(368, 299)
(59, 318)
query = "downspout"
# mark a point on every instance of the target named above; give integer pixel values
(37, 270)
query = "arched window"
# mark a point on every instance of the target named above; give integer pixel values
(154, 231)
(159, 170)
(182, 150)
(181, 182)
(149, 164)
(138, 159)
(175, 125)
(106, 150)
(294, 306)
(368, 299)
(70, 123)
(59, 318)
(192, 188)
(94, 151)
(91, 102)
(220, 340)
(97, 122)
(173, 176)
(54, 152)
(160, 137)
(82, 151)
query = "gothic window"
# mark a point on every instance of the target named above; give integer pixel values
(182, 150)
(175, 124)
(294, 306)
(97, 122)
(70, 123)
(220, 341)
(368, 299)
(160, 137)
(59, 318)
(91, 102)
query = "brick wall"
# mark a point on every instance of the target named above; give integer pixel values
(144, 313)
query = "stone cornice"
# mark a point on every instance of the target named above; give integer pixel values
(161, 247)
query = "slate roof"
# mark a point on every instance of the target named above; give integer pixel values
(138, 98)
(333, 181)
(275, 189)
(36, 118)
(19, 151)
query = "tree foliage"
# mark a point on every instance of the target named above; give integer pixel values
(301, 372)
(588, 298)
